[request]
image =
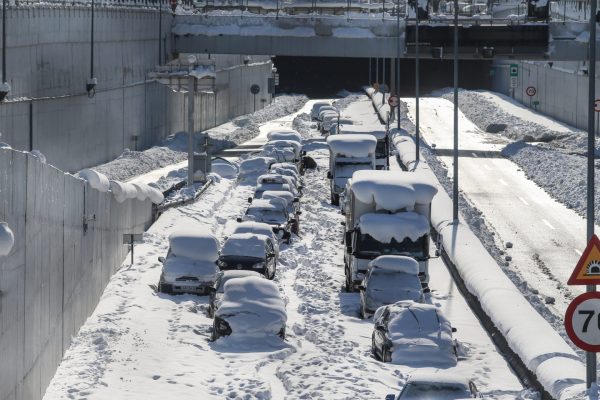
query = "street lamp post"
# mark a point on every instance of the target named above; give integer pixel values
(417, 133)
(398, 66)
(4, 86)
(455, 175)
(191, 130)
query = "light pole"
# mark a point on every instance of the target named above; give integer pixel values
(159, 32)
(90, 86)
(455, 176)
(4, 86)
(191, 131)
(398, 66)
(417, 133)
(591, 357)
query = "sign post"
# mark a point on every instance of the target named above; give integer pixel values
(130, 239)
(514, 75)
(530, 91)
(255, 89)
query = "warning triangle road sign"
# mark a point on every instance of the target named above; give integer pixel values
(587, 270)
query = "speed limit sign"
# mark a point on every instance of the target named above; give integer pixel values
(393, 101)
(582, 321)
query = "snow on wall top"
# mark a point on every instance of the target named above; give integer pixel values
(252, 306)
(7, 239)
(355, 145)
(404, 264)
(195, 244)
(96, 180)
(392, 190)
(244, 244)
(385, 227)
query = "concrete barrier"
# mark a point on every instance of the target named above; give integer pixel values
(68, 242)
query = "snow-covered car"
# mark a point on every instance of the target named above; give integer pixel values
(216, 294)
(285, 144)
(324, 110)
(272, 213)
(439, 386)
(287, 166)
(252, 307)
(224, 168)
(284, 134)
(343, 121)
(411, 333)
(292, 202)
(286, 154)
(390, 279)
(255, 166)
(249, 251)
(317, 107)
(330, 120)
(258, 228)
(191, 263)
(287, 172)
(279, 179)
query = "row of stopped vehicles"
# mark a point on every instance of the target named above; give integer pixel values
(237, 274)
(386, 259)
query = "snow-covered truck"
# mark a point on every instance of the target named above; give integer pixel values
(347, 154)
(387, 213)
(382, 150)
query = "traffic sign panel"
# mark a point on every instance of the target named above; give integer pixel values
(597, 105)
(587, 270)
(582, 321)
(514, 70)
(393, 101)
(513, 82)
(530, 91)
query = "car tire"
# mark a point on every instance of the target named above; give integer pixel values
(374, 348)
(349, 285)
(296, 227)
(282, 333)
(210, 312)
(362, 312)
(386, 356)
(335, 199)
(165, 288)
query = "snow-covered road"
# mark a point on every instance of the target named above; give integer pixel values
(547, 238)
(142, 345)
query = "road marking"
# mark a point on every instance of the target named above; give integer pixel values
(475, 155)
(577, 251)
(487, 167)
(548, 224)
(502, 181)
(523, 201)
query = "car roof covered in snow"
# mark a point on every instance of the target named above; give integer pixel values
(272, 178)
(376, 131)
(354, 145)
(278, 194)
(385, 227)
(254, 227)
(245, 244)
(260, 204)
(283, 143)
(256, 164)
(437, 376)
(392, 190)
(284, 135)
(198, 244)
(252, 305)
(409, 318)
(407, 265)
(286, 165)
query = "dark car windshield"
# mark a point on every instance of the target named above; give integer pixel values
(244, 261)
(368, 247)
(434, 391)
(380, 150)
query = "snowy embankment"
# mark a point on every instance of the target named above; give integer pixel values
(556, 366)
(555, 157)
(174, 148)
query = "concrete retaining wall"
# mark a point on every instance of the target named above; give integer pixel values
(48, 65)
(57, 270)
(561, 90)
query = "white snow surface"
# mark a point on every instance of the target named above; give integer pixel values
(284, 135)
(96, 179)
(39, 155)
(385, 227)
(253, 166)
(253, 307)
(7, 239)
(150, 346)
(244, 244)
(123, 190)
(403, 264)
(197, 244)
(355, 145)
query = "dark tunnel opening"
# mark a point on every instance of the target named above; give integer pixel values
(320, 77)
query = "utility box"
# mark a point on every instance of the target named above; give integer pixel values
(202, 164)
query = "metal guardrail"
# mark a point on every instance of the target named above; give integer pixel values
(166, 205)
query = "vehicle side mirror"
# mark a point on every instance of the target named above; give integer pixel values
(343, 223)
(212, 289)
(329, 175)
(161, 259)
(427, 290)
(454, 330)
(361, 288)
(296, 200)
(298, 212)
(249, 199)
(239, 219)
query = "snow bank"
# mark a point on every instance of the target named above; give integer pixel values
(7, 239)
(385, 227)
(244, 244)
(252, 306)
(256, 165)
(96, 180)
(194, 244)
(355, 145)
(224, 168)
(556, 366)
(39, 155)
(403, 264)
(123, 191)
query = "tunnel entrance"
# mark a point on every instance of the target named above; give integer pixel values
(320, 77)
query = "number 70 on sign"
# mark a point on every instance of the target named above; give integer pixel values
(582, 321)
